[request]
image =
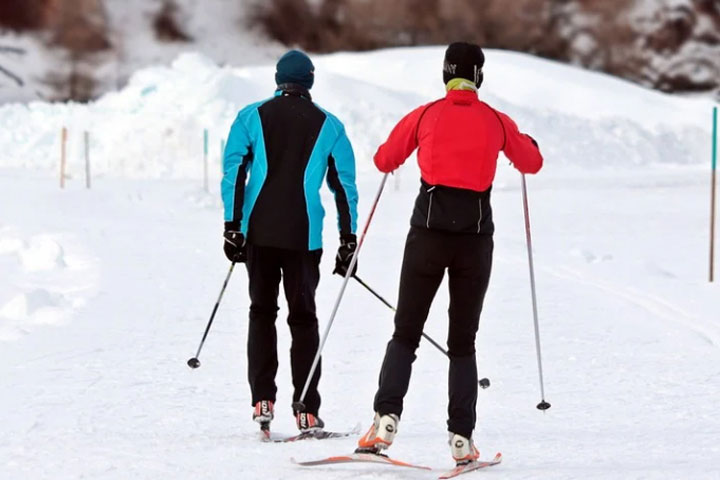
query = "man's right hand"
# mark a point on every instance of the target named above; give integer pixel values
(234, 246)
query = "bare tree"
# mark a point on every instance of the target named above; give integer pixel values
(12, 50)
(80, 29)
(21, 15)
(167, 26)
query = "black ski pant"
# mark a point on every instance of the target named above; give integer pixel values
(468, 260)
(300, 275)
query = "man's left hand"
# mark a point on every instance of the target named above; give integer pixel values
(345, 254)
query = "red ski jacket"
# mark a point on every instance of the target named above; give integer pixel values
(460, 138)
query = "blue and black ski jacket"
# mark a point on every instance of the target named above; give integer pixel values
(287, 145)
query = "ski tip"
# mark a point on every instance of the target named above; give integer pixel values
(476, 465)
(299, 463)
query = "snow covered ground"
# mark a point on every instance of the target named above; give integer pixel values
(104, 293)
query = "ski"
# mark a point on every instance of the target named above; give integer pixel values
(360, 457)
(472, 466)
(312, 434)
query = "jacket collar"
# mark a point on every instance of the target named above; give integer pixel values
(463, 96)
(292, 89)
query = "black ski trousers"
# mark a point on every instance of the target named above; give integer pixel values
(468, 260)
(300, 275)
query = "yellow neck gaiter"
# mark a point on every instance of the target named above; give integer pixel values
(460, 84)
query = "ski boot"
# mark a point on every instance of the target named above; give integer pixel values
(463, 449)
(263, 414)
(380, 435)
(307, 422)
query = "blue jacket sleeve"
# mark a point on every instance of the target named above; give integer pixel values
(236, 162)
(341, 180)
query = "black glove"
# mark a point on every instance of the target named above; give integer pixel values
(234, 246)
(345, 254)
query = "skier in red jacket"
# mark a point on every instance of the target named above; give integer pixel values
(458, 140)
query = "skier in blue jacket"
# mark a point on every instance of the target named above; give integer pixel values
(279, 151)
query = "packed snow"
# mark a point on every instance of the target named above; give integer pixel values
(105, 292)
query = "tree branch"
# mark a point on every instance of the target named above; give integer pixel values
(12, 76)
(19, 51)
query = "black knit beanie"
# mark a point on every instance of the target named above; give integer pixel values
(295, 67)
(464, 60)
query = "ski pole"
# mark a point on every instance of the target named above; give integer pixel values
(484, 382)
(543, 405)
(299, 406)
(194, 362)
(426, 337)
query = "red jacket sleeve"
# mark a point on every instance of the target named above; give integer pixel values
(400, 144)
(521, 149)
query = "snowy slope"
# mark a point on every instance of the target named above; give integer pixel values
(105, 293)
(158, 119)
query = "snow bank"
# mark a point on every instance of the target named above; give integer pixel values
(38, 286)
(43, 253)
(153, 128)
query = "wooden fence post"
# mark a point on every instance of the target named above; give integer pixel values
(87, 158)
(205, 160)
(63, 144)
(713, 195)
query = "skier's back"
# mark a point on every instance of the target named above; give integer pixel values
(287, 146)
(459, 139)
